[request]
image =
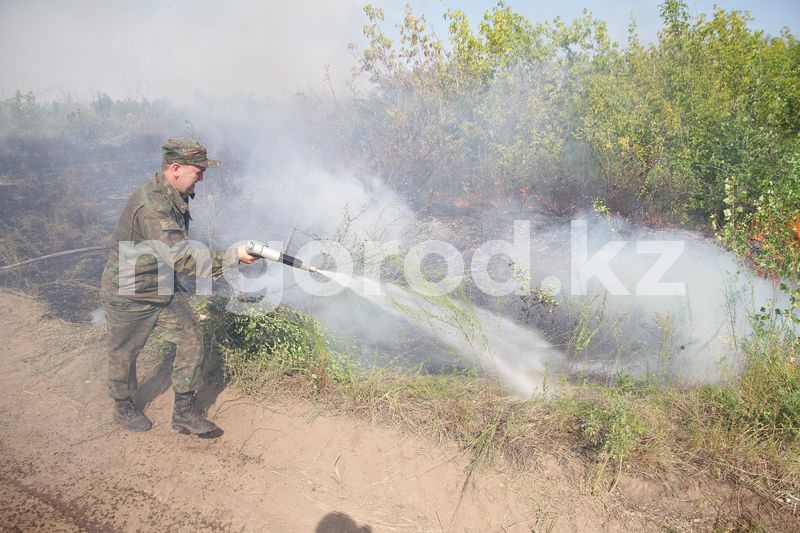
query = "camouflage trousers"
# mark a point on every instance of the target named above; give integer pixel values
(130, 322)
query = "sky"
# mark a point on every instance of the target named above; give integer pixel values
(769, 15)
(180, 49)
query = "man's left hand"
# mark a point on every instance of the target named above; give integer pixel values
(244, 257)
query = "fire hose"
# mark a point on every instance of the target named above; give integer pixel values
(254, 248)
(9, 268)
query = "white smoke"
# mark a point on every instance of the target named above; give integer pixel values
(693, 336)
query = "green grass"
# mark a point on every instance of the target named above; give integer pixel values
(285, 341)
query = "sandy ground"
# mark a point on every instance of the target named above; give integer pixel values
(284, 467)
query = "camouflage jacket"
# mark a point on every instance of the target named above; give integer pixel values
(153, 232)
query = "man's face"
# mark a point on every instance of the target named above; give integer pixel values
(183, 177)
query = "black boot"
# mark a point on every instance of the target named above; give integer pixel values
(129, 416)
(187, 419)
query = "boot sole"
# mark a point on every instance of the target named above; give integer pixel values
(133, 429)
(213, 434)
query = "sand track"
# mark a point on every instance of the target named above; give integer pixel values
(284, 467)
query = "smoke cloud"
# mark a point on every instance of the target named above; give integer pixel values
(685, 320)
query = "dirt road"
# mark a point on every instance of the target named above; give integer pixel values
(66, 466)
(283, 467)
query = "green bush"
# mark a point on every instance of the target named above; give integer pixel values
(285, 340)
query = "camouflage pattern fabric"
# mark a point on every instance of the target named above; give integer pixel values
(186, 152)
(156, 216)
(131, 322)
(156, 213)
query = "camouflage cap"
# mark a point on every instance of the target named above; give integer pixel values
(186, 151)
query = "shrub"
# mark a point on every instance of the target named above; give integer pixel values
(284, 340)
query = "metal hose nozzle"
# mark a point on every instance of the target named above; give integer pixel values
(259, 249)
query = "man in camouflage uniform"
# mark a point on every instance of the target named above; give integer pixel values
(149, 245)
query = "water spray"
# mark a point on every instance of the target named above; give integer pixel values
(259, 249)
(495, 342)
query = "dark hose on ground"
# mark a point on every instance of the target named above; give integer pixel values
(15, 266)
